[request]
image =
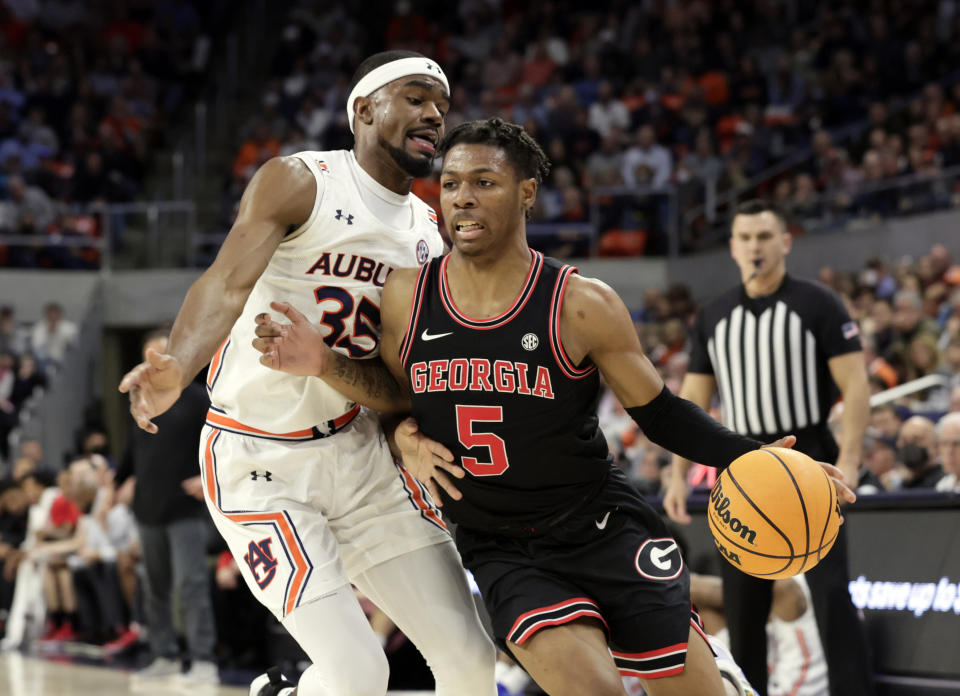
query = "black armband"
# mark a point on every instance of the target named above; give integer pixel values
(683, 428)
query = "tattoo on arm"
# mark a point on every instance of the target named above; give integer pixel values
(370, 377)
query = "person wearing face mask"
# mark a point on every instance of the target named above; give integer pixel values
(916, 447)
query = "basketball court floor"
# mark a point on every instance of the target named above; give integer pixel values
(22, 675)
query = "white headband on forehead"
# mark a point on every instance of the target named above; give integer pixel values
(388, 72)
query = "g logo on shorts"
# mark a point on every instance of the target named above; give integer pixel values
(659, 559)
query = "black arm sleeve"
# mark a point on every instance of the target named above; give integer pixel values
(683, 428)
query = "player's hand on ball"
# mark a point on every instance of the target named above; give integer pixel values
(428, 461)
(844, 492)
(296, 348)
(153, 386)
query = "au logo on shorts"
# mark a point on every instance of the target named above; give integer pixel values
(262, 563)
(659, 559)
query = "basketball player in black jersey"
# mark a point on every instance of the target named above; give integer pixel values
(502, 350)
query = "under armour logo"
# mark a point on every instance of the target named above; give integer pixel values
(254, 475)
(340, 215)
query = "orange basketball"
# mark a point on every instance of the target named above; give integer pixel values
(774, 513)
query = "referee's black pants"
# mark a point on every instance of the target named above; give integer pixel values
(747, 601)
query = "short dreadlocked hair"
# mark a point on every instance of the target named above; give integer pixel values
(526, 157)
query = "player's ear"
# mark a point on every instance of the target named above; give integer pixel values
(528, 194)
(363, 110)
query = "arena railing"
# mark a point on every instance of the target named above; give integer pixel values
(141, 234)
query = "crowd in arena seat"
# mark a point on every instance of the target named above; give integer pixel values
(650, 96)
(87, 92)
(27, 354)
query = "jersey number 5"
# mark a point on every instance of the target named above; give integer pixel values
(365, 322)
(466, 417)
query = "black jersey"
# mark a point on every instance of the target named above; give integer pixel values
(769, 355)
(505, 398)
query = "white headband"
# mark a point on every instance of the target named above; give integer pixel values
(394, 70)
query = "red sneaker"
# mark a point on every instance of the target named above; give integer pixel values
(64, 633)
(122, 642)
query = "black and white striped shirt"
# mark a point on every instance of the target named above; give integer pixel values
(769, 355)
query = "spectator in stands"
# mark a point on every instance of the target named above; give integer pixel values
(92, 563)
(608, 112)
(13, 338)
(923, 356)
(908, 322)
(604, 167)
(173, 528)
(13, 529)
(948, 445)
(29, 377)
(53, 335)
(30, 207)
(955, 399)
(917, 445)
(879, 460)
(27, 599)
(647, 153)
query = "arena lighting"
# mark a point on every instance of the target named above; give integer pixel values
(914, 597)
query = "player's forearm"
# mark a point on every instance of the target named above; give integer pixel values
(209, 311)
(368, 382)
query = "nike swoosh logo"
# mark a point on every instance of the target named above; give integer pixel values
(657, 556)
(426, 336)
(602, 522)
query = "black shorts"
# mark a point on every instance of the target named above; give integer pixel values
(612, 561)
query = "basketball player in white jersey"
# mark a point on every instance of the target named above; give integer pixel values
(297, 475)
(797, 664)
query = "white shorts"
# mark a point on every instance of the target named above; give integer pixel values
(302, 518)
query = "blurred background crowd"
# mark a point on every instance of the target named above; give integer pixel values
(657, 115)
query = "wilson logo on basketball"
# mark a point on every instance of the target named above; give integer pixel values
(721, 504)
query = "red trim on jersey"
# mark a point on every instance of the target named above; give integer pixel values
(556, 621)
(556, 345)
(806, 664)
(655, 674)
(676, 647)
(533, 274)
(414, 317)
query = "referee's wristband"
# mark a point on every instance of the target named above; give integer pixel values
(683, 428)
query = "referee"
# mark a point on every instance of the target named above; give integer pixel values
(777, 348)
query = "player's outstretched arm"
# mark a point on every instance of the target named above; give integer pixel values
(596, 324)
(297, 348)
(429, 461)
(278, 198)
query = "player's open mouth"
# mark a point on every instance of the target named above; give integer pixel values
(426, 141)
(467, 229)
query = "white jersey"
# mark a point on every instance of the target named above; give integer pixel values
(798, 666)
(332, 269)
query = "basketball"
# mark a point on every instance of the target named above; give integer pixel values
(774, 513)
